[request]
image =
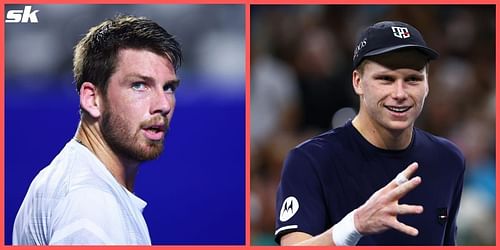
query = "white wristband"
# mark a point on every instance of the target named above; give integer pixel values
(344, 233)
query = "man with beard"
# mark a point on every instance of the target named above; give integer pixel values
(125, 72)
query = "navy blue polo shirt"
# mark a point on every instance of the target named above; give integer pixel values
(334, 173)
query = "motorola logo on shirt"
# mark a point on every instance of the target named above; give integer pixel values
(289, 208)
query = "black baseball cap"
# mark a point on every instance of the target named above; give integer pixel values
(387, 36)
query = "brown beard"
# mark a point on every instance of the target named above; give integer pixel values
(117, 133)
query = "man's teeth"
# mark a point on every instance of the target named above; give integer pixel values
(398, 109)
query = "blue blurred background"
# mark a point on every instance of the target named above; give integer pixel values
(196, 189)
(302, 85)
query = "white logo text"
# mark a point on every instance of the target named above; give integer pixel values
(401, 32)
(22, 16)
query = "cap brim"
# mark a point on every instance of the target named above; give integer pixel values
(430, 53)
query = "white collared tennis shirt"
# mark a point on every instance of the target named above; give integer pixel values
(76, 201)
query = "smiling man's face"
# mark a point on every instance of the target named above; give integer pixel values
(392, 89)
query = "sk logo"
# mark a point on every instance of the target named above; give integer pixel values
(401, 32)
(22, 16)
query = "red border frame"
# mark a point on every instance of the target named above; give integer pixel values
(247, 4)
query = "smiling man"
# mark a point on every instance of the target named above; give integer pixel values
(125, 74)
(353, 184)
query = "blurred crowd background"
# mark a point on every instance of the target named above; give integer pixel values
(301, 59)
(194, 195)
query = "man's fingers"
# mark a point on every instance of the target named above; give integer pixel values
(410, 209)
(404, 188)
(404, 228)
(404, 175)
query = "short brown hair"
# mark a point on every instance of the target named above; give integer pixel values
(95, 55)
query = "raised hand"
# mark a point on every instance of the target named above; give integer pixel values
(380, 211)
